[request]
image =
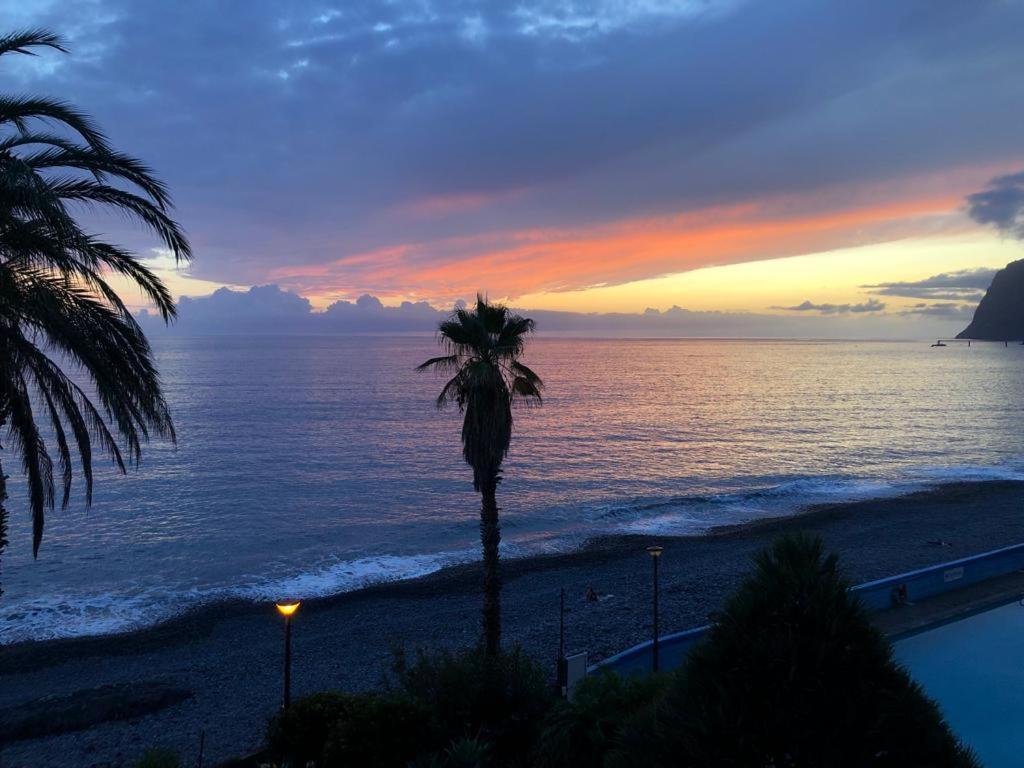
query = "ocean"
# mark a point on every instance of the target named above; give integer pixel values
(309, 466)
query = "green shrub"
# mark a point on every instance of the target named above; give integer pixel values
(468, 753)
(455, 708)
(159, 758)
(464, 753)
(793, 674)
(301, 733)
(581, 733)
(502, 702)
(386, 730)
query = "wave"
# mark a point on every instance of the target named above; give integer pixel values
(65, 615)
(698, 513)
(350, 575)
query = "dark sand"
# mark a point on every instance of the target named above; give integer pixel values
(229, 656)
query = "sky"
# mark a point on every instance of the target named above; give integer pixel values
(827, 166)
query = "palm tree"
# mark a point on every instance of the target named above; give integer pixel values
(58, 313)
(484, 345)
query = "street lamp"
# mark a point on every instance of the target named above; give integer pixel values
(563, 664)
(655, 553)
(287, 610)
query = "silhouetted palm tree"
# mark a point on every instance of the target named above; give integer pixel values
(484, 345)
(57, 310)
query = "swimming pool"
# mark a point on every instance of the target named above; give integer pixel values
(974, 668)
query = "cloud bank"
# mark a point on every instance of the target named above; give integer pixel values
(871, 305)
(271, 310)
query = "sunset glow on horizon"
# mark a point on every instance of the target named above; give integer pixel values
(607, 158)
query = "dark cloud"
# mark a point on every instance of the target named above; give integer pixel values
(962, 285)
(944, 310)
(305, 133)
(1001, 204)
(871, 305)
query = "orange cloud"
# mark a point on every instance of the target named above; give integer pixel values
(514, 263)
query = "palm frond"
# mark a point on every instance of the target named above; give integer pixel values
(24, 436)
(484, 344)
(24, 41)
(443, 363)
(57, 309)
(152, 215)
(21, 111)
(101, 165)
(524, 372)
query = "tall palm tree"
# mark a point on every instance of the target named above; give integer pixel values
(71, 353)
(484, 345)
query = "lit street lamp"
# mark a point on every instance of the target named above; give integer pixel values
(287, 610)
(655, 553)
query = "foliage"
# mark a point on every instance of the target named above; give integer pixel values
(793, 674)
(582, 732)
(484, 345)
(501, 700)
(379, 729)
(301, 732)
(432, 711)
(341, 729)
(159, 758)
(57, 307)
(463, 753)
(468, 753)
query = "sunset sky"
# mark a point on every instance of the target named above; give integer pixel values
(797, 157)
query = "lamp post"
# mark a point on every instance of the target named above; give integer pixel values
(563, 669)
(655, 553)
(287, 610)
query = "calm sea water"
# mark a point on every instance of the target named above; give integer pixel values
(309, 466)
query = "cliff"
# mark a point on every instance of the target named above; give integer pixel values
(1000, 316)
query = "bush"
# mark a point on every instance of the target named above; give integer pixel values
(793, 674)
(159, 758)
(583, 732)
(464, 753)
(301, 733)
(380, 730)
(445, 709)
(502, 703)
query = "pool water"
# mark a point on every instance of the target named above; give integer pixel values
(974, 668)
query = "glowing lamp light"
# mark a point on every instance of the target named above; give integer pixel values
(655, 551)
(287, 610)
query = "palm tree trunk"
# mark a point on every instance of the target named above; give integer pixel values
(490, 537)
(3, 521)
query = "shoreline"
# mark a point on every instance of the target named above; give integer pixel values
(226, 655)
(460, 577)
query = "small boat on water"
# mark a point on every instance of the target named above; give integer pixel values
(938, 343)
